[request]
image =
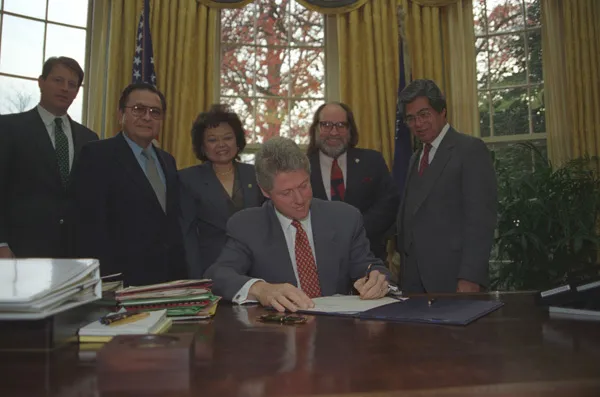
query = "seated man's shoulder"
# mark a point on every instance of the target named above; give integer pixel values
(338, 209)
(248, 218)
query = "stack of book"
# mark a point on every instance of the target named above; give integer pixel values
(183, 299)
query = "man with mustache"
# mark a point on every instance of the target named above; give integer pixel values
(127, 196)
(294, 247)
(38, 150)
(342, 172)
(448, 214)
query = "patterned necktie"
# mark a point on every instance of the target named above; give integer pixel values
(305, 263)
(61, 148)
(154, 177)
(425, 159)
(338, 190)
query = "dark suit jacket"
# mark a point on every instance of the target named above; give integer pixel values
(119, 218)
(34, 205)
(370, 188)
(256, 248)
(450, 226)
(204, 212)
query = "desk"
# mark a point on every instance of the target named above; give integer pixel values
(515, 351)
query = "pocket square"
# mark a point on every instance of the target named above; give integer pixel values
(367, 179)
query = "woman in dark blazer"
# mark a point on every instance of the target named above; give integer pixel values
(215, 190)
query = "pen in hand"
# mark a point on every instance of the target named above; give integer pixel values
(431, 301)
(368, 272)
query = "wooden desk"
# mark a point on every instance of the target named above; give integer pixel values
(515, 351)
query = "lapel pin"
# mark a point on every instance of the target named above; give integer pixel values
(357, 161)
(250, 186)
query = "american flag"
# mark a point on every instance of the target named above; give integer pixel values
(402, 142)
(143, 60)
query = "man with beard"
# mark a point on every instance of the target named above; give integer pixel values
(359, 177)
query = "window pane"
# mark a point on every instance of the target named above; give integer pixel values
(271, 119)
(30, 8)
(237, 25)
(483, 68)
(507, 60)
(484, 114)
(272, 21)
(76, 109)
(22, 46)
(480, 17)
(72, 12)
(301, 114)
(538, 109)
(272, 71)
(511, 113)
(533, 8)
(57, 36)
(306, 26)
(18, 95)
(237, 70)
(505, 15)
(307, 72)
(534, 43)
(244, 108)
(247, 158)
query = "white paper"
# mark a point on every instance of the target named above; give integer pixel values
(348, 304)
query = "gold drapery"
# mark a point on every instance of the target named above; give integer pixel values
(322, 6)
(441, 43)
(368, 58)
(183, 38)
(571, 54)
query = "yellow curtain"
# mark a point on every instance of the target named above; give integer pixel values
(368, 58)
(571, 51)
(183, 38)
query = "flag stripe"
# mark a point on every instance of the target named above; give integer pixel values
(143, 59)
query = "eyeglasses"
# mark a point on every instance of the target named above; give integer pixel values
(422, 116)
(140, 111)
(327, 126)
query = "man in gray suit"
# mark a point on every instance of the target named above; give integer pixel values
(38, 149)
(294, 247)
(448, 214)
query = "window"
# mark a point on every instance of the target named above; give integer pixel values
(272, 68)
(509, 69)
(31, 32)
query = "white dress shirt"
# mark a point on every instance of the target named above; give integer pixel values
(289, 233)
(435, 144)
(326, 164)
(48, 119)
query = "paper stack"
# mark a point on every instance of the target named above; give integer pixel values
(33, 289)
(96, 332)
(182, 299)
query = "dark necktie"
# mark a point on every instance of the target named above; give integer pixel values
(305, 263)
(153, 176)
(61, 148)
(425, 159)
(338, 190)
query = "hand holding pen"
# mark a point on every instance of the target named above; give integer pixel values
(373, 285)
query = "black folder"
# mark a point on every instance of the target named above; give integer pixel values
(441, 311)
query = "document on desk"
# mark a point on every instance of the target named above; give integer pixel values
(348, 304)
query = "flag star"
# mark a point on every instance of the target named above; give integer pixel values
(140, 36)
(138, 48)
(152, 60)
(153, 78)
(137, 74)
(137, 60)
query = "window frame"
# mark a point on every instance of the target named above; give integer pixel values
(47, 22)
(332, 87)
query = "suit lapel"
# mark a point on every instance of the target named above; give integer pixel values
(436, 167)
(42, 140)
(214, 191)
(170, 178)
(132, 168)
(316, 178)
(249, 188)
(353, 173)
(77, 141)
(326, 255)
(278, 248)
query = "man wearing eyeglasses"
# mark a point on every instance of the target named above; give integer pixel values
(342, 172)
(38, 149)
(126, 196)
(448, 212)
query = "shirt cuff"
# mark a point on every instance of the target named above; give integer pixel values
(3, 245)
(241, 296)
